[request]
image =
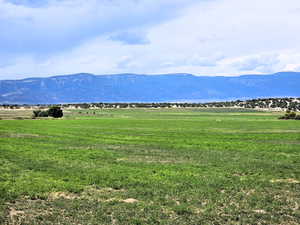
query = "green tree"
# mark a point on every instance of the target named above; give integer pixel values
(55, 111)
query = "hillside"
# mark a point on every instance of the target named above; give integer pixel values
(81, 88)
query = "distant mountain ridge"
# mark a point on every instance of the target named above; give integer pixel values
(83, 87)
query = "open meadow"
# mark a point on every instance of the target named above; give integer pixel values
(150, 166)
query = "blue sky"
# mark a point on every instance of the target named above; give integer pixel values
(203, 37)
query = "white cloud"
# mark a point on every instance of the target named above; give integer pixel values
(265, 63)
(67, 23)
(220, 37)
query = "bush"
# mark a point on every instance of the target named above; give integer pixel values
(290, 116)
(43, 114)
(55, 112)
(36, 113)
(39, 113)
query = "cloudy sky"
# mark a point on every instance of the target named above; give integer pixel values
(203, 37)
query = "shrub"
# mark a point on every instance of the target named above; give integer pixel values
(290, 116)
(55, 112)
(36, 113)
(39, 113)
(43, 114)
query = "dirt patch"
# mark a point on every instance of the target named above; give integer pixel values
(30, 211)
(111, 200)
(130, 200)
(260, 211)
(92, 191)
(15, 216)
(62, 195)
(296, 207)
(102, 194)
(248, 192)
(288, 181)
(13, 213)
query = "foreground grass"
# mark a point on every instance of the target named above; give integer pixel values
(135, 166)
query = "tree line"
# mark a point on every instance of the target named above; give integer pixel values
(292, 104)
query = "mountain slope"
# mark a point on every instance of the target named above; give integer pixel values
(80, 88)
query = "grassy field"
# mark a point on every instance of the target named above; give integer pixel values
(146, 166)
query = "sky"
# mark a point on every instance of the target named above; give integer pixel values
(203, 37)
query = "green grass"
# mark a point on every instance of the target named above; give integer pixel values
(177, 166)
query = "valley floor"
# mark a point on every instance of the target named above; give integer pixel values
(151, 166)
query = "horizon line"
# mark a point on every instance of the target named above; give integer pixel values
(138, 74)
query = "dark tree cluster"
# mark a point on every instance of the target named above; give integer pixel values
(54, 111)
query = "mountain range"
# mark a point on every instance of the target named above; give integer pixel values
(86, 88)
